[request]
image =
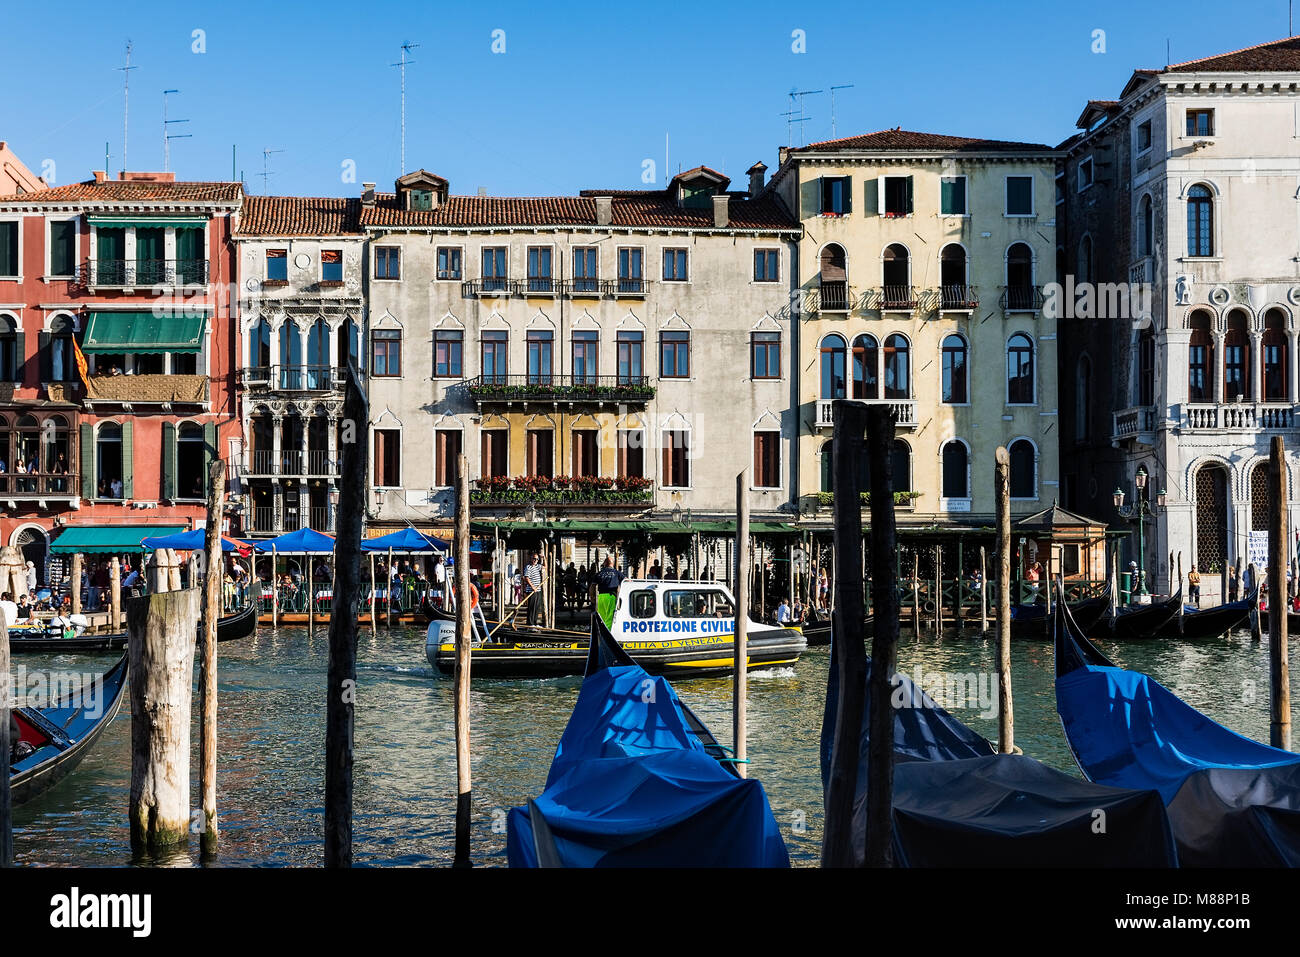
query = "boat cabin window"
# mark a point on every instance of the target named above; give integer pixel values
(641, 604)
(697, 603)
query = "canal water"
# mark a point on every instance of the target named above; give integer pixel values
(271, 742)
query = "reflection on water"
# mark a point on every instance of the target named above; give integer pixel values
(271, 743)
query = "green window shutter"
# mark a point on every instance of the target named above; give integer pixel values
(88, 462)
(821, 194)
(110, 244)
(169, 460)
(210, 451)
(128, 460)
(47, 365)
(848, 194)
(909, 207)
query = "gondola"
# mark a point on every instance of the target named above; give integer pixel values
(62, 734)
(1205, 623)
(1033, 621)
(1136, 622)
(958, 803)
(639, 781)
(237, 625)
(232, 627)
(1232, 801)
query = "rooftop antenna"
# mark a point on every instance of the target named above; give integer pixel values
(168, 137)
(802, 118)
(842, 86)
(126, 98)
(266, 173)
(1168, 58)
(407, 47)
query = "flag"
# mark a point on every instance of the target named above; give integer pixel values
(82, 369)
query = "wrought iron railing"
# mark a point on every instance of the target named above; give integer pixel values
(508, 388)
(833, 296)
(1022, 298)
(38, 484)
(896, 298)
(146, 272)
(958, 298)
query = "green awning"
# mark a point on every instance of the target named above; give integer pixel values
(102, 539)
(143, 332)
(146, 222)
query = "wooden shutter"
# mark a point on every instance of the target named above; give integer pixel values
(128, 459)
(168, 460)
(909, 195)
(47, 367)
(209, 449)
(88, 462)
(485, 455)
(380, 460)
(668, 459)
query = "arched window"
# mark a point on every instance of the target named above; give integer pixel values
(1146, 368)
(833, 357)
(1085, 260)
(1083, 400)
(952, 266)
(318, 355)
(1024, 470)
(900, 457)
(1146, 226)
(10, 361)
(348, 343)
(866, 368)
(956, 469)
(828, 468)
(5, 460)
(27, 451)
(1020, 276)
(1276, 358)
(1200, 359)
(290, 356)
(898, 375)
(56, 451)
(1200, 221)
(259, 346)
(1020, 370)
(834, 279)
(1236, 358)
(954, 370)
(896, 277)
(108, 461)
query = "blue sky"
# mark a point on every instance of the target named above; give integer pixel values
(583, 94)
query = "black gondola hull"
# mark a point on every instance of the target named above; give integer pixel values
(231, 627)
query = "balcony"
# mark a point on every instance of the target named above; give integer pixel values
(147, 389)
(895, 299)
(958, 299)
(830, 296)
(293, 378)
(1137, 423)
(1238, 417)
(904, 412)
(1021, 298)
(39, 487)
(545, 287)
(133, 273)
(625, 492)
(556, 389)
(268, 463)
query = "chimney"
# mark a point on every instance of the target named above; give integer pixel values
(367, 194)
(757, 173)
(142, 177)
(604, 210)
(720, 210)
(100, 175)
(782, 154)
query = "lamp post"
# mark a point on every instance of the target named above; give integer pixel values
(1142, 510)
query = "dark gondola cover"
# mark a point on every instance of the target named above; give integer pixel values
(957, 803)
(632, 785)
(1137, 622)
(1232, 801)
(1202, 623)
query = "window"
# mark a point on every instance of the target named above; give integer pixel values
(675, 265)
(674, 355)
(765, 355)
(1020, 370)
(1144, 136)
(900, 458)
(447, 351)
(586, 276)
(421, 199)
(952, 277)
(630, 277)
(57, 364)
(385, 352)
(833, 357)
(1236, 359)
(954, 371)
(630, 366)
(187, 363)
(9, 249)
(896, 276)
(897, 195)
(1200, 221)
(676, 454)
(1085, 260)
(494, 346)
(191, 259)
(641, 604)
(1084, 174)
(10, 358)
(586, 455)
(539, 269)
(63, 247)
(388, 262)
(1023, 469)
(1147, 368)
(108, 461)
(388, 458)
(447, 446)
(836, 195)
(449, 262)
(1146, 226)
(540, 354)
(866, 368)
(277, 265)
(540, 452)
(110, 253)
(495, 277)
(191, 462)
(1200, 360)
(767, 265)
(150, 256)
(952, 195)
(833, 285)
(1020, 277)
(898, 376)
(1020, 196)
(494, 453)
(1275, 356)
(956, 470)
(586, 345)
(767, 459)
(631, 453)
(331, 265)
(1200, 122)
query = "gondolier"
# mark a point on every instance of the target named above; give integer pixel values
(533, 577)
(607, 581)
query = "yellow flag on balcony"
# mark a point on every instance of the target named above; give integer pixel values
(82, 369)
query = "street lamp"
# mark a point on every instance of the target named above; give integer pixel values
(677, 514)
(1143, 511)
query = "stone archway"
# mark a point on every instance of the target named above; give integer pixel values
(34, 543)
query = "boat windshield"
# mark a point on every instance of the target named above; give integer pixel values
(696, 603)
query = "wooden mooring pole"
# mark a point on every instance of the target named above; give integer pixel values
(464, 624)
(1255, 631)
(916, 594)
(275, 591)
(740, 637)
(115, 596)
(76, 583)
(7, 702)
(208, 688)
(984, 593)
(160, 643)
(938, 591)
(1279, 669)
(1002, 491)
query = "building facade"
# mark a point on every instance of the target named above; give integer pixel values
(1186, 186)
(920, 285)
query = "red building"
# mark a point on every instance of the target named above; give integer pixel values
(138, 275)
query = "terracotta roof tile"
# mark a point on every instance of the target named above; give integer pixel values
(299, 216)
(900, 139)
(1276, 56)
(133, 191)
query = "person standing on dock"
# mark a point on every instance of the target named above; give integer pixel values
(1194, 587)
(1234, 583)
(607, 581)
(534, 575)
